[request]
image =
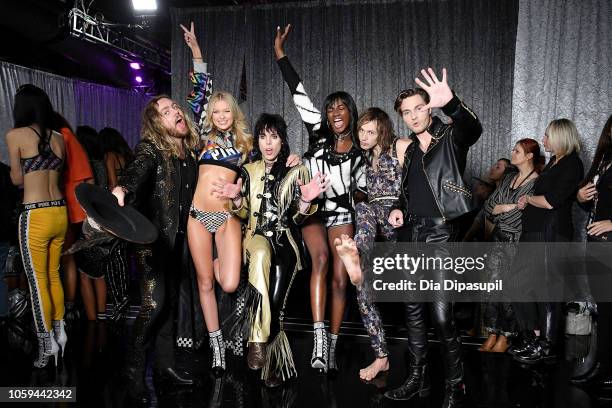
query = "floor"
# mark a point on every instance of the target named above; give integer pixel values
(92, 364)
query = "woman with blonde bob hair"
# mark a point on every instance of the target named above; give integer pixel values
(561, 138)
(547, 217)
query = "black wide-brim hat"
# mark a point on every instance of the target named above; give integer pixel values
(123, 222)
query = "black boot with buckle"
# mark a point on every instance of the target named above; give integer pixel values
(416, 383)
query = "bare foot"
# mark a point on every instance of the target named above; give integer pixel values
(347, 250)
(371, 371)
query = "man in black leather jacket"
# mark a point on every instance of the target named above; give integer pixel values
(160, 182)
(433, 195)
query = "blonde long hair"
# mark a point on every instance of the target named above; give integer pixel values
(154, 131)
(243, 139)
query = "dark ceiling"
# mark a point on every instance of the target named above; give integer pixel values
(38, 33)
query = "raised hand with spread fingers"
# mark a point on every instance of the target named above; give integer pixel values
(318, 184)
(223, 189)
(439, 92)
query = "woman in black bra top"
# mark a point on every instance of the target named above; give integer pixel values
(36, 155)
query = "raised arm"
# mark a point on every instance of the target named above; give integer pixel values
(200, 78)
(467, 127)
(310, 115)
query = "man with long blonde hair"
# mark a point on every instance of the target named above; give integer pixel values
(160, 182)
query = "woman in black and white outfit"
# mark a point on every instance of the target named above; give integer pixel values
(333, 150)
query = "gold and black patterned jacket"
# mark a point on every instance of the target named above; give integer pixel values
(152, 182)
(270, 203)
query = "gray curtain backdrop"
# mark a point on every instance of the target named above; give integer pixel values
(223, 39)
(100, 106)
(563, 68)
(370, 49)
(81, 103)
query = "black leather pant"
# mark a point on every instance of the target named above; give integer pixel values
(280, 285)
(441, 310)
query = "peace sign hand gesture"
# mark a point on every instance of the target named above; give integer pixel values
(192, 41)
(279, 41)
(439, 92)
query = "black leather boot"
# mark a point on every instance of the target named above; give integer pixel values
(138, 393)
(587, 370)
(416, 383)
(454, 395)
(525, 343)
(169, 375)
(541, 350)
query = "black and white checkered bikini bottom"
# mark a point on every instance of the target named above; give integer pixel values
(211, 220)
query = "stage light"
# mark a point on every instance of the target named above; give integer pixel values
(144, 5)
(134, 65)
(138, 79)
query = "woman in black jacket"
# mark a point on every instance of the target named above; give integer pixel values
(547, 217)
